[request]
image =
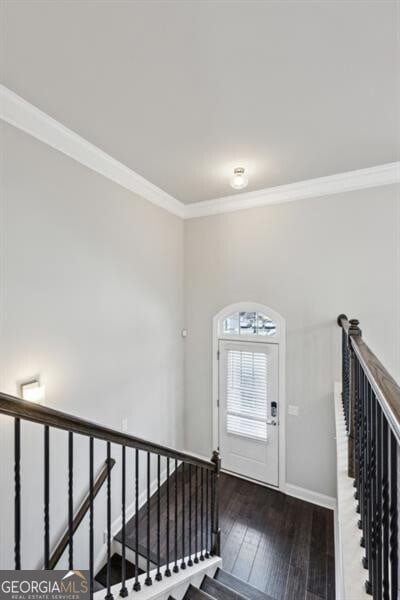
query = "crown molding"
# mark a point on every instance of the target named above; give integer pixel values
(28, 118)
(21, 114)
(310, 188)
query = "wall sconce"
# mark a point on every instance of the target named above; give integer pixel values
(32, 391)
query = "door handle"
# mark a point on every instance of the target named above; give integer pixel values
(272, 422)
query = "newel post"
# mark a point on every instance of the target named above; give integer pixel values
(354, 330)
(216, 549)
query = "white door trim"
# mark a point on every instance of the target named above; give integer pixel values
(280, 339)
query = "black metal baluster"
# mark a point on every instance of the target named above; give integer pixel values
(365, 518)
(215, 504)
(124, 590)
(183, 564)
(367, 531)
(71, 500)
(158, 574)
(378, 511)
(393, 541)
(345, 377)
(148, 580)
(168, 570)
(361, 446)
(190, 561)
(176, 568)
(207, 473)
(109, 595)
(385, 509)
(356, 431)
(136, 585)
(46, 497)
(202, 513)
(212, 512)
(91, 517)
(17, 488)
(196, 520)
(372, 569)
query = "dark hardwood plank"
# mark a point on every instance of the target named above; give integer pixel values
(300, 554)
(296, 584)
(272, 562)
(330, 578)
(232, 545)
(244, 560)
(316, 582)
(310, 596)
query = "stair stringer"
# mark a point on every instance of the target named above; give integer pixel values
(175, 586)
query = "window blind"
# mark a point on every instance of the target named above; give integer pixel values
(247, 376)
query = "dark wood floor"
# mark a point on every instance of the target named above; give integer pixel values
(279, 544)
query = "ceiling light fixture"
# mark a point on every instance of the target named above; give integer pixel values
(239, 179)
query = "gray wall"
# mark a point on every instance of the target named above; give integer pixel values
(310, 261)
(92, 299)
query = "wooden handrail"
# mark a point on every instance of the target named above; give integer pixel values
(18, 408)
(385, 387)
(81, 512)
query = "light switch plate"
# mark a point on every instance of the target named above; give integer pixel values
(293, 410)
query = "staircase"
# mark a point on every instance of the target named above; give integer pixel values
(223, 586)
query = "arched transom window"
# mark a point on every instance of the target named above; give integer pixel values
(249, 323)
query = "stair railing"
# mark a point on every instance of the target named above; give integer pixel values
(371, 405)
(185, 503)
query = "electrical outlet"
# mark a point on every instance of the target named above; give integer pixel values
(293, 410)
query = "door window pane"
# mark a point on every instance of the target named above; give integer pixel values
(246, 383)
(249, 323)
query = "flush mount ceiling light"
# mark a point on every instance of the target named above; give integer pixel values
(239, 179)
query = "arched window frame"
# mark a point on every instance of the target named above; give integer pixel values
(276, 338)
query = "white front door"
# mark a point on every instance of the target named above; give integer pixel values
(248, 409)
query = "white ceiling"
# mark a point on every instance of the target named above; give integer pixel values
(183, 91)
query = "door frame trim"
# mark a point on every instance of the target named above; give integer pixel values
(279, 339)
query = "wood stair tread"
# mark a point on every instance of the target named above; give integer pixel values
(219, 591)
(193, 593)
(240, 586)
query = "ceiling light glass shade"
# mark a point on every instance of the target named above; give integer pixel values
(239, 179)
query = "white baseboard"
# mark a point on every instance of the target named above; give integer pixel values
(310, 496)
